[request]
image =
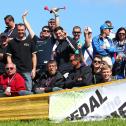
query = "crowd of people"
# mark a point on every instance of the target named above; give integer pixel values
(55, 61)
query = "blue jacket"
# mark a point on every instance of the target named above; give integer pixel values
(97, 42)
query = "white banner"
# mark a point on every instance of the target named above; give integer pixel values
(94, 102)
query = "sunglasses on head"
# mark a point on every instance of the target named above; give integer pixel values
(96, 61)
(9, 68)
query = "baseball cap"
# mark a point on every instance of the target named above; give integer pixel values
(105, 26)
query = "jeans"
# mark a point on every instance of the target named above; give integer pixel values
(2, 94)
(21, 93)
(39, 91)
(28, 80)
(56, 89)
(24, 92)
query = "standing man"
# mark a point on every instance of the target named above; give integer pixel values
(64, 46)
(53, 23)
(21, 51)
(3, 47)
(44, 44)
(76, 37)
(11, 29)
(102, 45)
(112, 34)
(76, 34)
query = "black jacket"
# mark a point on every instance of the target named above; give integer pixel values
(97, 78)
(79, 77)
(63, 52)
(49, 82)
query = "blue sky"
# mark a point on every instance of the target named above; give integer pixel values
(78, 12)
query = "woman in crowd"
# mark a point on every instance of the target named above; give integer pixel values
(120, 40)
(96, 69)
(120, 43)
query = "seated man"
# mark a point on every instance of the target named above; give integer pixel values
(50, 80)
(96, 69)
(12, 83)
(80, 76)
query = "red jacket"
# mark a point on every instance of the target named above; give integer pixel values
(16, 84)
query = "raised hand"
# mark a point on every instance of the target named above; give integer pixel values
(25, 14)
(33, 73)
(54, 11)
(86, 30)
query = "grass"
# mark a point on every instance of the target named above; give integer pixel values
(108, 122)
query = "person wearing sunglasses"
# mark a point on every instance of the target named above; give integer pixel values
(12, 83)
(96, 69)
(120, 40)
(76, 35)
(76, 32)
(44, 44)
(102, 45)
(112, 34)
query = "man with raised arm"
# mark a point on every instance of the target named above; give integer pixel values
(44, 44)
(64, 46)
(53, 23)
(87, 49)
